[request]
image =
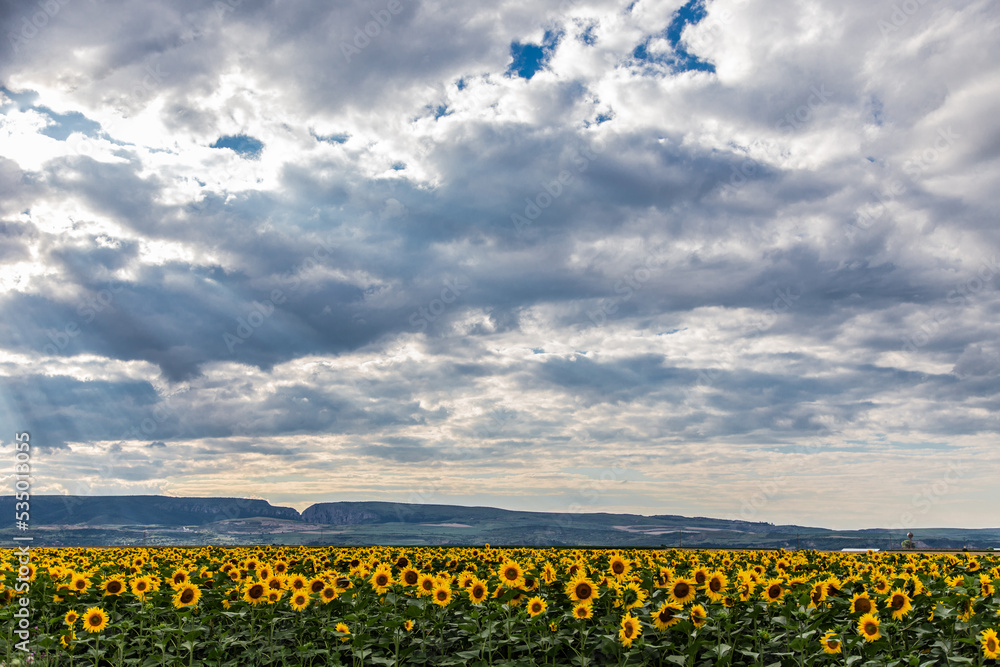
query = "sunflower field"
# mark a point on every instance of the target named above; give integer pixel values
(496, 606)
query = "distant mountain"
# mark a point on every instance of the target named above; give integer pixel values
(348, 513)
(163, 520)
(139, 510)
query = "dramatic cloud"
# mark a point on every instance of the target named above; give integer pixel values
(705, 258)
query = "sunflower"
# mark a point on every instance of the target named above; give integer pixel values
(410, 577)
(899, 602)
(536, 606)
(231, 596)
(478, 592)
(991, 648)
(698, 615)
(381, 579)
(299, 600)
(967, 610)
(408, 625)
(861, 604)
(274, 583)
(817, 594)
(548, 573)
(715, 586)
(113, 586)
(618, 567)
(95, 620)
(255, 592)
(630, 629)
(868, 627)
(582, 611)
(427, 584)
(511, 575)
(881, 585)
(187, 595)
(630, 596)
(833, 587)
(316, 585)
(178, 579)
(71, 618)
(581, 589)
(829, 643)
(986, 588)
(328, 594)
(681, 590)
(442, 595)
(700, 576)
(79, 583)
(773, 590)
(666, 616)
(342, 627)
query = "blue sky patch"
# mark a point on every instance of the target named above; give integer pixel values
(64, 124)
(529, 58)
(68, 123)
(331, 138)
(680, 60)
(243, 144)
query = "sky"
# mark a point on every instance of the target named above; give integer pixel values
(718, 258)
